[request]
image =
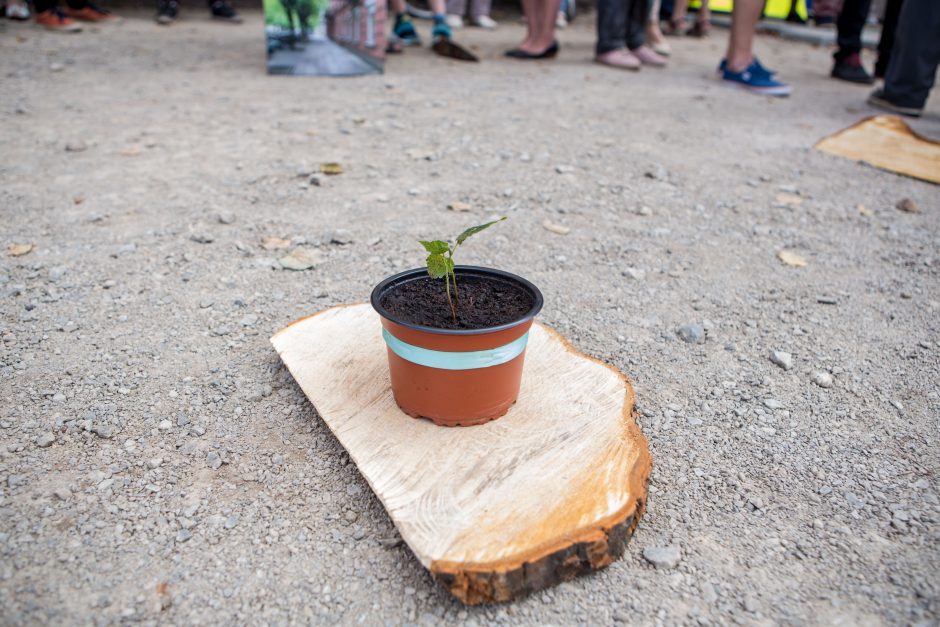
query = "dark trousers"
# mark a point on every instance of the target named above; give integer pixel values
(888, 27)
(621, 23)
(849, 27)
(915, 55)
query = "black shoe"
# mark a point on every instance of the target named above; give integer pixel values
(222, 10)
(879, 100)
(850, 69)
(166, 11)
(548, 53)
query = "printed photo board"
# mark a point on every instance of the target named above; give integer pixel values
(325, 37)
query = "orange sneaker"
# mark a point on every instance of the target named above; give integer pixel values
(54, 19)
(89, 13)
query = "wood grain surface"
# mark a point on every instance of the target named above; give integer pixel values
(552, 489)
(887, 142)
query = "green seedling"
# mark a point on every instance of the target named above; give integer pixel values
(441, 261)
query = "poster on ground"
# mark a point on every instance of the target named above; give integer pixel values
(325, 37)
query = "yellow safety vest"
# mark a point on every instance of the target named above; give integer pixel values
(779, 9)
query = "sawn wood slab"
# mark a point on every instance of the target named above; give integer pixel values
(553, 489)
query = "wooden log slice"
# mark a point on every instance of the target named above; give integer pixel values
(551, 490)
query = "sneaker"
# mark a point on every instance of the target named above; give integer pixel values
(850, 69)
(561, 21)
(89, 13)
(755, 82)
(224, 11)
(621, 58)
(441, 31)
(404, 31)
(648, 56)
(879, 100)
(167, 11)
(54, 19)
(16, 10)
(484, 21)
(454, 21)
(754, 68)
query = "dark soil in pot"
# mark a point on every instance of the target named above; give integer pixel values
(483, 302)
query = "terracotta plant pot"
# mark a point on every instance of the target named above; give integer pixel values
(455, 377)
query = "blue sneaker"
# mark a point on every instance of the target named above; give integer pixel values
(755, 68)
(441, 30)
(755, 81)
(404, 31)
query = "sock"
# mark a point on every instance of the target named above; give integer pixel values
(439, 18)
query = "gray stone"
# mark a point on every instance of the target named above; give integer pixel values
(45, 440)
(249, 320)
(183, 535)
(662, 557)
(782, 359)
(56, 273)
(691, 333)
(103, 431)
(213, 460)
(230, 522)
(202, 238)
(226, 217)
(182, 420)
(822, 379)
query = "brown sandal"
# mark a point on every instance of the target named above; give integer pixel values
(700, 29)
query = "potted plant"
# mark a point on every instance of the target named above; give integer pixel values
(456, 335)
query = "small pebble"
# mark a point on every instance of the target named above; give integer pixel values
(691, 333)
(45, 440)
(782, 359)
(662, 557)
(822, 379)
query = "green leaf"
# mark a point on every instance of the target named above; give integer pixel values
(438, 266)
(473, 230)
(436, 247)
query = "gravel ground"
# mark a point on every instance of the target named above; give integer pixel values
(159, 465)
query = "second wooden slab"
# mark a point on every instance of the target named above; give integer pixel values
(552, 489)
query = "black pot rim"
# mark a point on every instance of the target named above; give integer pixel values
(415, 273)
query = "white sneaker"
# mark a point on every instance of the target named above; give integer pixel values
(17, 10)
(454, 21)
(484, 21)
(561, 21)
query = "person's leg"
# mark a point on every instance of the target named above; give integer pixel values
(915, 56)
(744, 18)
(540, 26)
(480, 14)
(654, 35)
(612, 35)
(637, 10)
(403, 31)
(888, 28)
(848, 62)
(611, 25)
(740, 69)
(849, 27)
(703, 21)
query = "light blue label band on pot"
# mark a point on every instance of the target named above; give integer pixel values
(445, 360)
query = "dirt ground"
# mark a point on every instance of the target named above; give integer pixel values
(159, 465)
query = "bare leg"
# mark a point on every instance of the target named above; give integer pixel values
(438, 7)
(704, 13)
(679, 10)
(540, 24)
(743, 24)
(397, 6)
